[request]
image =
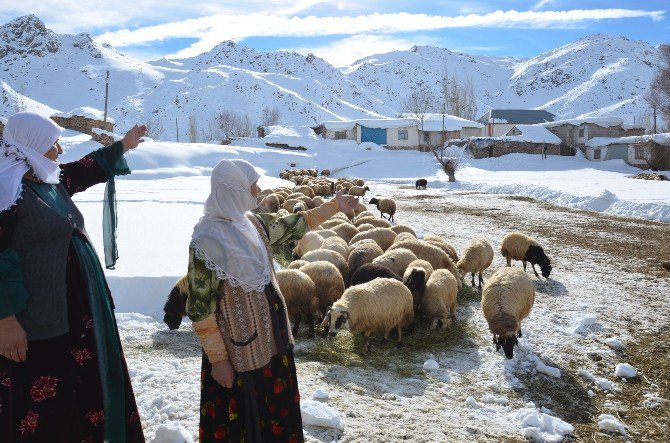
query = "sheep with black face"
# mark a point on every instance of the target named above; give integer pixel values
(518, 246)
(175, 306)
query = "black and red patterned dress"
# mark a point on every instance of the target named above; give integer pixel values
(56, 395)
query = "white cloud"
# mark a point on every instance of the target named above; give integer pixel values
(213, 29)
(346, 51)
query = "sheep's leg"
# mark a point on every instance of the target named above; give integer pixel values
(524, 265)
(481, 279)
(534, 271)
(473, 279)
(310, 325)
(296, 326)
(509, 261)
(518, 334)
(381, 214)
(391, 218)
(366, 345)
(399, 345)
(433, 324)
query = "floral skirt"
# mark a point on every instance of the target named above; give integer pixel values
(56, 395)
(262, 406)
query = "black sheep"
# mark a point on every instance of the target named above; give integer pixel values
(421, 183)
(175, 306)
(369, 272)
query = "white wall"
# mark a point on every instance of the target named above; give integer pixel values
(412, 136)
(501, 129)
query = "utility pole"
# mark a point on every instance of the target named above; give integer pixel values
(654, 108)
(106, 95)
(444, 135)
(177, 126)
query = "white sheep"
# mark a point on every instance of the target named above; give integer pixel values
(270, 203)
(381, 305)
(331, 257)
(362, 214)
(358, 191)
(477, 256)
(398, 229)
(345, 231)
(518, 246)
(397, 260)
(385, 206)
(299, 292)
(438, 305)
(309, 242)
(328, 281)
(336, 244)
(443, 244)
(382, 236)
(507, 299)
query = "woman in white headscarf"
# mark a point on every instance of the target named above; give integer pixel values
(62, 372)
(249, 390)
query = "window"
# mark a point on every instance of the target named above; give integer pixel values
(426, 137)
(340, 135)
(402, 134)
(639, 154)
(583, 133)
(596, 154)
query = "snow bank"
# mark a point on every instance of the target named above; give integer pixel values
(609, 423)
(292, 136)
(625, 370)
(582, 325)
(315, 413)
(539, 426)
(535, 134)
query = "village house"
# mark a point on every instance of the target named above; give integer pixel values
(498, 122)
(392, 133)
(88, 121)
(436, 129)
(577, 132)
(337, 130)
(520, 139)
(643, 151)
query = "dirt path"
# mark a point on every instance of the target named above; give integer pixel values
(607, 270)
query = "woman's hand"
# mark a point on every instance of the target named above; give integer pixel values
(13, 339)
(223, 373)
(133, 137)
(345, 203)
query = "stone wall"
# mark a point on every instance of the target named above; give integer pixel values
(83, 124)
(103, 139)
(2, 128)
(500, 148)
(402, 148)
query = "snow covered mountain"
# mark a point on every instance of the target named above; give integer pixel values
(595, 76)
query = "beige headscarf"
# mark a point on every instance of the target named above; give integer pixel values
(224, 238)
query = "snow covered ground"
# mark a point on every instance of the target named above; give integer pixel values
(473, 394)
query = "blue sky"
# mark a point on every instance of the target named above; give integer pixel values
(342, 31)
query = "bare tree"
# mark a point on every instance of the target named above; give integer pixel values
(154, 126)
(459, 96)
(233, 124)
(192, 129)
(420, 102)
(270, 116)
(658, 96)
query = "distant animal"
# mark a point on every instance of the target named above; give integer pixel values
(175, 306)
(518, 246)
(507, 299)
(385, 206)
(421, 183)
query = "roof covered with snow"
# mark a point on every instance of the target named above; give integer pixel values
(535, 134)
(605, 122)
(661, 139)
(516, 116)
(84, 111)
(388, 123)
(339, 125)
(433, 122)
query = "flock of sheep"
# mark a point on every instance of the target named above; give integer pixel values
(366, 274)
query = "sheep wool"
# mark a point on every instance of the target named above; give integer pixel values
(270, 203)
(385, 206)
(365, 227)
(415, 277)
(507, 299)
(382, 236)
(443, 244)
(297, 264)
(309, 242)
(362, 214)
(398, 229)
(381, 305)
(369, 272)
(345, 231)
(361, 253)
(328, 281)
(439, 299)
(336, 244)
(397, 260)
(477, 256)
(331, 257)
(299, 292)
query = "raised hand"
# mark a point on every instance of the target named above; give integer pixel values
(345, 203)
(133, 137)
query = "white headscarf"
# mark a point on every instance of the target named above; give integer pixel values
(224, 238)
(27, 137)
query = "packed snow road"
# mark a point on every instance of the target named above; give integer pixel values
(606, 303)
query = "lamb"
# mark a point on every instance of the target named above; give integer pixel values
(358, 191)
(383, 304)
(385, 206)
(382, 236)
(431, 253)
(443, 244)
(175, 306)
(397, 260)
(517, 246)
(439, 299)
(309, 242)
(507, 299)
(399, 229)
(361, 253)
(421, 183)
(299, 292)
(346, 231)
(415, 277)
(331, 257)
(336, 244)
(477, 256)
(328, 281)
(369, 272)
